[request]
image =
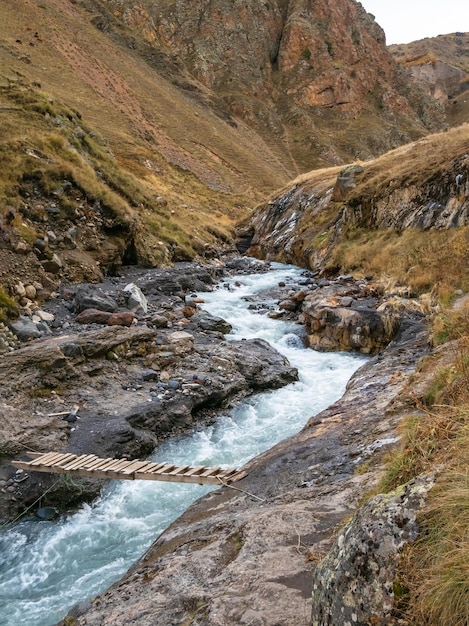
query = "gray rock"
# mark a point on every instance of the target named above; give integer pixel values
(149, 374)
(24, 328)
(71, 349)
(207, 321)
(53, 265)
(90, 297)
(136, 300)
(354, 583)
(47, 513)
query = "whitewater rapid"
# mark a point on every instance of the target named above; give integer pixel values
(46, 567)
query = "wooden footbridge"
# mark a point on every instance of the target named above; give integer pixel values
(93, 466)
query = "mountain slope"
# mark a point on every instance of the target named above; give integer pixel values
(403, 216)
(315, 79)
(441, 65)
(149, 129)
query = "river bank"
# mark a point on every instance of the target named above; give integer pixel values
(75, 557)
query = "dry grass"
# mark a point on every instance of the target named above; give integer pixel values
(422, 260)
(412, 164)
(434, 573)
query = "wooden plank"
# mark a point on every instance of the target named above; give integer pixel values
(34, 455)
(149, 465)
(136, 465)
(67, 458)
(92, 466)
(167, 467)
(119, 464)
(210, 471)
(237, 476)
(96, 461)
(79, 462)
(195, 470)
(180, 470)
(44, 458)
(157, 467)
(100, 464)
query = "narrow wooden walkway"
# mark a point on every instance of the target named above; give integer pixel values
(95, 467)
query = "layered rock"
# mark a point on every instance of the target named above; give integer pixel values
(424, 185)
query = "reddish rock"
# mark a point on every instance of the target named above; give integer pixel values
(188, 311)
(93, 316)
(124, 318)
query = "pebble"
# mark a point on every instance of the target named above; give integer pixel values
(8, 341)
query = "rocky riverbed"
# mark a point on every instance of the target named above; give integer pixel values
(111, 372)
(114, 368)
(249, 556)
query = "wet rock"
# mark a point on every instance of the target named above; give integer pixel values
(289, 305)
(47, 513)
(354, 583)
(207, 321)
(262, 366)
(262, 548)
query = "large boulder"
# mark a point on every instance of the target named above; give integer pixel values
(332, 328)
(207, 321)
(91, 297)
(354, 584)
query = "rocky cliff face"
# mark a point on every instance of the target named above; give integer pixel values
(441, 66)
(292, 70)
(422, 186)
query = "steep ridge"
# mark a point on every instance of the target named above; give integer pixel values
(411, 195)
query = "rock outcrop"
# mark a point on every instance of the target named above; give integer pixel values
(424, 185)
(441, 66)
(355, 583)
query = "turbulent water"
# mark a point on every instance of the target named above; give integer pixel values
(46, 567)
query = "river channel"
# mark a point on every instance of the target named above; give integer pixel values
(46, 567)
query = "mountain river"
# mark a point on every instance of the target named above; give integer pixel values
(46, 567)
